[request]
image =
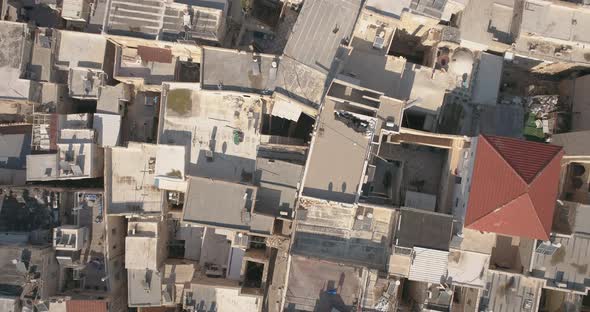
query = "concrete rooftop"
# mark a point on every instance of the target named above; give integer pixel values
(12, 53)
(238, 70)
(506, 292)
(568, 266)
(77, 49)
(223, 204)
(206, 122)
(337, 159)
(419, 228)
(278, 183)
(321, 27)
(309, 281)
(131, 173)
(336, 232)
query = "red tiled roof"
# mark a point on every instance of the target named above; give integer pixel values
(513, 187)
(518, 153)
(86, 306)
(157, 309)
(153, 54)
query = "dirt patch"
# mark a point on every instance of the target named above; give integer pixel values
(11, 41)
(179, 101)
(174, 174)
(558, 256)
(582, 269)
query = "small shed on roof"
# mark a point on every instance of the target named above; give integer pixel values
(514, 187)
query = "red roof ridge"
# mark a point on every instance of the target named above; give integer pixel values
(500, 208)
(557, 153)
(539, 219)
(506, 161)
(525, 196)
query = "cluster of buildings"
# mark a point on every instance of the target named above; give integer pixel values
(316, 155)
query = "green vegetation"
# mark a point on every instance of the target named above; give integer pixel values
(179, 101)
(531, 132)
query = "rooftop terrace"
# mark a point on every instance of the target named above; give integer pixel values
(311, 280)
(76, 49)
(337, 158)
(332, 21)
(131, 176)
(219, 129)
(257, 73)
(338, 232)
(12, 60)
(224, 204)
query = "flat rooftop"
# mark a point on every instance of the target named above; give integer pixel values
(310, 280)
(143, 247)
(15, 145)
(506, 292)
(110, 98)
(141, 252)
(487, 79)
(418, 169)
(300, 82)
(489, 23)
(319, 31)
(397, 78)
(568, 266)
(337, 158)
(219, 129)
(224, 204)
(77, 49)
(427, 87)
(223, 297)
(149, 18)
(144, 287)
(207, 20)
(571, 217)
(554, 31)
(336, 232)
(83, 83)
(12, 47)
(424, 229)
(370, 66)
(467, 268)
(555, 21)
(238, 70)
(13, 282)
(12, 44)
(389, 8)
(144, 17)
(153, 65)
(278, 183)
(132, 173)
